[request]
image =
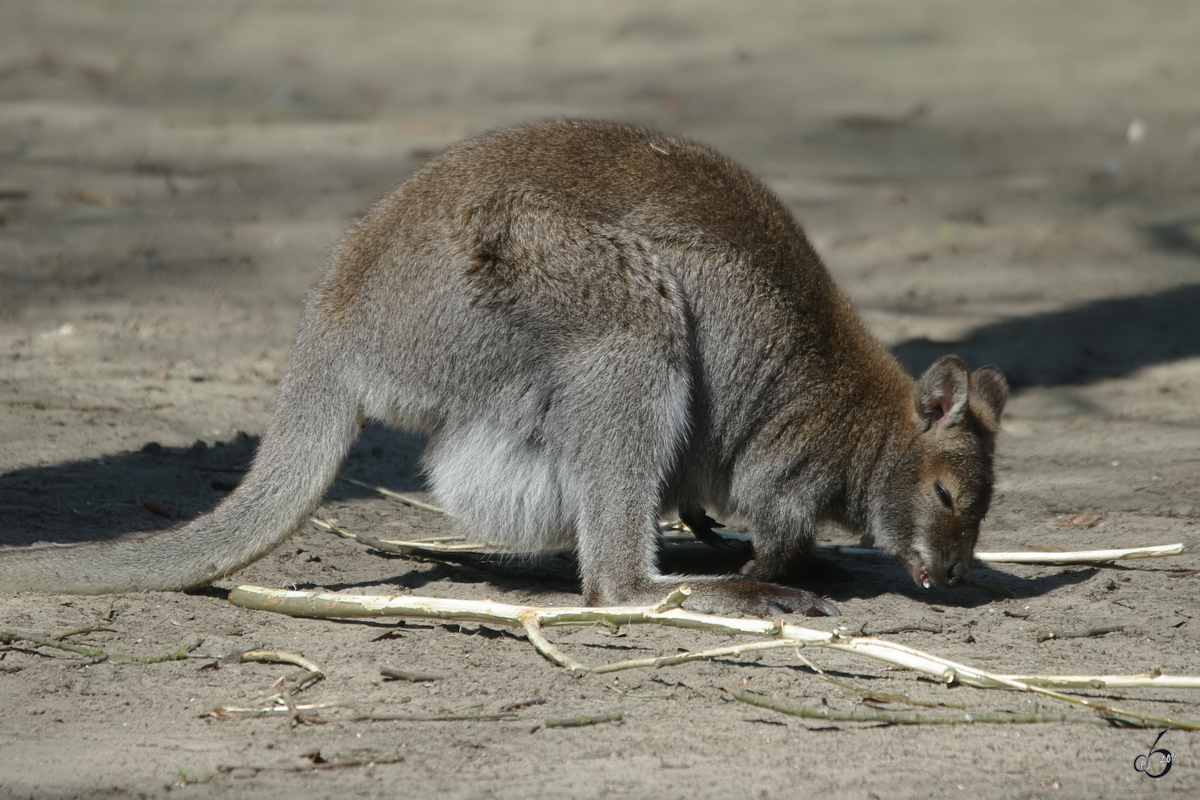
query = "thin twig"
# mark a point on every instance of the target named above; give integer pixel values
(469, 557)
(904, 628)
(1099, 682)
(578, 722)
(295, 716)
(40, 405)
(1115, 711)
(533, 630)
(81, 631)
(280, 657)
(237, 712)
(868, 693)
(287, 685)
(526, 703)
(733, 651)
(413, 677)
(901, 717)
(1080, 635)
(329, 526)
(403, 497)
(319, 765)
(1084, 634)
(452, 549)
(1021, 557)
(8, 635)
(501, 716)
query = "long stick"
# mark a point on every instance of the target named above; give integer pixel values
(1157, 551)
(780, 634)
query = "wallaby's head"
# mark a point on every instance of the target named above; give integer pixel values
(940, 485)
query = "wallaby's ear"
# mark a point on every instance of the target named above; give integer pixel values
(942, 394)
(989, 391)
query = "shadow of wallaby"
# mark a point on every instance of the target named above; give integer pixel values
(1102, 339)
(160, 487)
(891, 578)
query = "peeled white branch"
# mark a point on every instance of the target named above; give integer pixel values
(780, 634)
(1033, 557)
(1079, 556)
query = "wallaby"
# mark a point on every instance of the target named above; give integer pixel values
(596, 325)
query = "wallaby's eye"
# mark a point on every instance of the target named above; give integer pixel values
(943, 495)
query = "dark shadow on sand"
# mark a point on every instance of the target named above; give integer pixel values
(101, 499)
(1103, 339)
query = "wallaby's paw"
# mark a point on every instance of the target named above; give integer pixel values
(753, 598)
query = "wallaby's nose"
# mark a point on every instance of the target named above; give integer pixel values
(957, 572)
(946, 571)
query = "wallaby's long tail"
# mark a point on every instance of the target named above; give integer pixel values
(316, 420)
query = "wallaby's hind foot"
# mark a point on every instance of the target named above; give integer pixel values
(734, 596)
(724, 596)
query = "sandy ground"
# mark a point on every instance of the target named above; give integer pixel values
(1017, 182)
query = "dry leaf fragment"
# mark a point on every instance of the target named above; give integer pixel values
(95, 198)
(155, 507)
(889, 195)
(1082, 521)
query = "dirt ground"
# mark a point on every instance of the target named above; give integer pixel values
(1017, 182)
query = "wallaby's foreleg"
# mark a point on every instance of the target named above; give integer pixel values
(777, 554)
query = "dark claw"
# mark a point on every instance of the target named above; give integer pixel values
(701, 525)
(822, 608)
(799, 601)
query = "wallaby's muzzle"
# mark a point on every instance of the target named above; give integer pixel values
(945, 571)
